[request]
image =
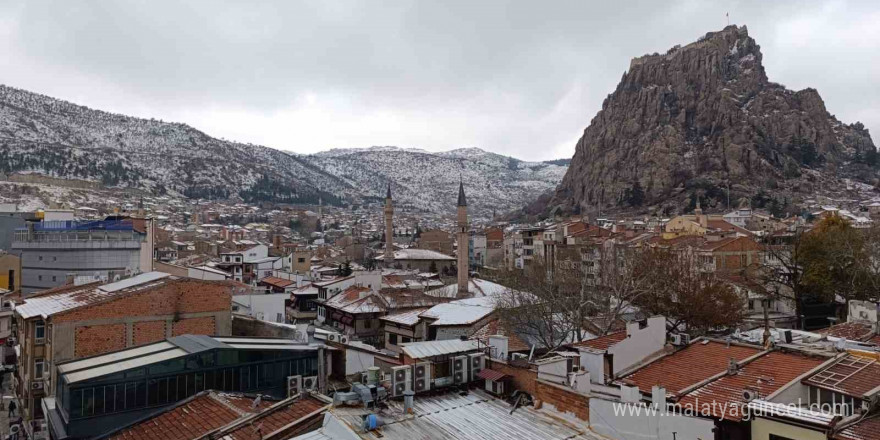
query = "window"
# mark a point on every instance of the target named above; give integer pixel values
(39, 368)
(779, 437)
(392, 338)
(54, 278)
(751, 304)
(406, 339)
(40, 332)
(300, 260)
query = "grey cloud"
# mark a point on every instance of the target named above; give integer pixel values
(519, 78)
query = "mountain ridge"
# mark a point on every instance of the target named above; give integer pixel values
(45, 135)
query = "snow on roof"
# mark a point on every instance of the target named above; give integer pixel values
(73, 297)
(425, 349)
(476, 287)
(134, 281)
(409, 317)
(461, 312)
(419, 254)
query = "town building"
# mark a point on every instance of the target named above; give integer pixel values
(51, 251)
(99, 395)
(73, 322)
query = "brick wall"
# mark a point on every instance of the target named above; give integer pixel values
(523, 378)
(563, 400)
(96, 339)
(179, 296)
(148, 331)
(195, 326)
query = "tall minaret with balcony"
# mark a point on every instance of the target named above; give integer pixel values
(389, 229)
(462, 241)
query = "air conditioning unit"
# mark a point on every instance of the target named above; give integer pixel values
(681, 339)
(477, 362)
(331, 337)
(460, 369)
(400, 378)
(749, 394)
(422, 377)
(310, 383)
(38, 385)
(343, 339)
(294, 385)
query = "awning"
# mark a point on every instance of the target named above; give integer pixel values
(490, 374)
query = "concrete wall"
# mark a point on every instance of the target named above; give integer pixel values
(357, 361)
(639, 343)
(594, 363)
(643, 425)
(762, 428)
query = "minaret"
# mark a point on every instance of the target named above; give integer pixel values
(389, 229)
(463, 266)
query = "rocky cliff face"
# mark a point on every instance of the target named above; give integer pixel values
(704, 116)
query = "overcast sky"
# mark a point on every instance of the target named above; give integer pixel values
(521, 78)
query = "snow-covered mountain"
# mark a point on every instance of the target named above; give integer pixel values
(430, 180)
(40, 134)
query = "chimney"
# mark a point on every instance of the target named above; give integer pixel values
(658, 397)
(408, 397)
(732, 366)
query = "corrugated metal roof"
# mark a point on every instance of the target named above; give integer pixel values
(475, 416)
(90, 373)
(426, 349)
(114, 357)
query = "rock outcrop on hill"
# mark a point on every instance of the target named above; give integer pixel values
(704, 117)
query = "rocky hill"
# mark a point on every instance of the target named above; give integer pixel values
(40, 134)
(700, 118)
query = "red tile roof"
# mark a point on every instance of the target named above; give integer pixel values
(212, 410)
(602, 342)
(271, 421)
(277, 282)
(495, 327)
(866, 429)
(724, 397)
(854, 331)
(490, 374)
(201, 415)
(689, 366)
(850, 375)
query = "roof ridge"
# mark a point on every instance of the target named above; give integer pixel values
(216, 397)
